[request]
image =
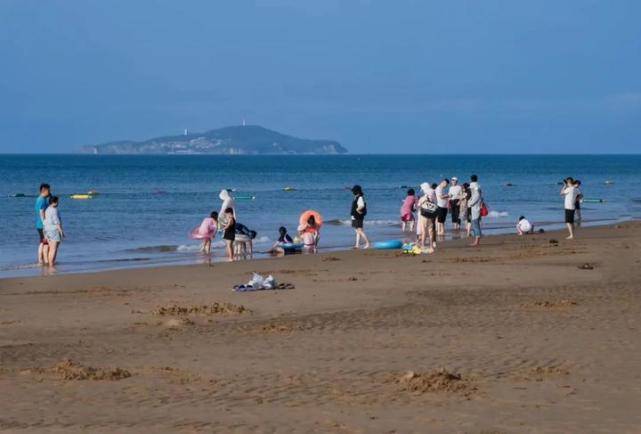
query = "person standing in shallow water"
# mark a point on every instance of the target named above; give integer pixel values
(442, 200)
(570, 193)
(475, 203)
(455, 194)
(42, 202)
(358, 212)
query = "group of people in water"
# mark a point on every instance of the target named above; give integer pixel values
(428, 212)
(424, 214)
(239, 239)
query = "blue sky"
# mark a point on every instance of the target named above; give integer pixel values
(379, 76)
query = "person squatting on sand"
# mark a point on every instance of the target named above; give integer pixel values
(407, 211)
(475, 203)
(53, 229)
(427, 213)
(42, 202)
(206, 232)
(442, 200)
(358, 213)
(570, 193)
(523, 226)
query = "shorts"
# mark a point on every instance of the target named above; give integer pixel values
(569, 216)
(441, 215)
(358, 223)
(53, 235)
(41, 234)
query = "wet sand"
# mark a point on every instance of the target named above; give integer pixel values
(531, 334)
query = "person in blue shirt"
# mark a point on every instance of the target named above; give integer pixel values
(42, 202)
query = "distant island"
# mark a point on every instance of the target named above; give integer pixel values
(236, 140)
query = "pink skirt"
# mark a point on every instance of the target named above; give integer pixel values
(409, 217)
(195, 234)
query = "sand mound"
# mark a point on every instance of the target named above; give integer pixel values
(541, 373)
(440, 380)
(207, 309)
(178, 322)
(70, 371)
(331, 259)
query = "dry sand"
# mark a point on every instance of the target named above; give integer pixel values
(515, 337)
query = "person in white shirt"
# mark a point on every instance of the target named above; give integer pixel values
(426, 217)
(570, 193)
(442, 200)
(524, 226)
(53, 229)
(475, 204)
(455, 194)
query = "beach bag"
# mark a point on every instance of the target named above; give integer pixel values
(484, 209)
(428, 209)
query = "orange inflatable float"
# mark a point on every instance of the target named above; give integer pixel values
(304, 218)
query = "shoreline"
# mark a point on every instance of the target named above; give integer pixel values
(195, 259)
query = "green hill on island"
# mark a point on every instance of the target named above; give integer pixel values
(236, 140)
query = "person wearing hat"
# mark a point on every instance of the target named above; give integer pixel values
(358, 212)
(455, 192)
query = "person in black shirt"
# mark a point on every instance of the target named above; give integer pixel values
(229, 233)
(358, 212)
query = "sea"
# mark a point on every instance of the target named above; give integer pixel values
(147, 205)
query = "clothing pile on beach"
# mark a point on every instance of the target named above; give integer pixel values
(260, 283)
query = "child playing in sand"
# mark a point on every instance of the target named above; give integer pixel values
(229, 233)
(206, 232)
(524, 226)
(407, 211)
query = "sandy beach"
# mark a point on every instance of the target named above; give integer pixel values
(531, 334)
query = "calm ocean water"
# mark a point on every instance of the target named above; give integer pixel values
(148, 204)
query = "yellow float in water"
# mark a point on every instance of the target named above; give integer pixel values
(81, 196)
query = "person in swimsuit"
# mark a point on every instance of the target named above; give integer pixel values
(229, 233)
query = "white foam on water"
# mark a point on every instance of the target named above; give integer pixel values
(496, 214)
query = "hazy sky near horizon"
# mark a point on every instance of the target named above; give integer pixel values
(415, 76)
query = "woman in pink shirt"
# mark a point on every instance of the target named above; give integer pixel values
(206, 232)
(407, 211)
